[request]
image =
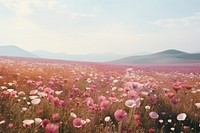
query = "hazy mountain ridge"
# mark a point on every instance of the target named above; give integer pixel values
(12, 50)
(88, 57)
(164, 57)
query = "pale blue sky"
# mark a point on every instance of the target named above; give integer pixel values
(101, 26)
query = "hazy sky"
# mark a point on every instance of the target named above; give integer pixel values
(100, 26)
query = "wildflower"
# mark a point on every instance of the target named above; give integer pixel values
(77, 122)
(107, 118)
(169, 120)
(181, 117)
(137, 117)
(2, 122)
(10, 125)
(38, 121)
(39, 111)
(139, 124)
(151, 130)
(73, 115)
(130, 103)
(175, 101)
(56, 116)
(101, 98)
(120, 115)
(147, 107)
(28, 122)
(161, 121)
(197, 105)
(45, 122)
(153, 115)
(33, 92)
(153, 99)
(105, 104)
(133, 94)
(35, 101)
(170, 95)
(51, 128)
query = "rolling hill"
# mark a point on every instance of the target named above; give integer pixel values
(88, 57)
(12, 50)
(164, 57)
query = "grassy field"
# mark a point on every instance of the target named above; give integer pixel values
(57, 96)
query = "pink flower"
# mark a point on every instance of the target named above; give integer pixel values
(101, 98)
(6, 93)
(188, 87)
(89, 102)
(126, 89)
(39, 111)
(133, 94)
(63, 103)
(77, 122)
(175, 101)
(13, 94)
(154, 115)
(33, 92)
(139, 124)
(151, 130)
(76, 90)
(51, 128)
(86, 94)
(10, 125)
(50, 98)
(45, 122)
(105, 104)
(56, 102)
(137, 117)
(120, 115)
(48, 90)
(153, 99)
(170, 95)
(56, 116)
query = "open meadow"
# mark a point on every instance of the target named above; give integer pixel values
(55, 96)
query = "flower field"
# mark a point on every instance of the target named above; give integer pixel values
(56, 96)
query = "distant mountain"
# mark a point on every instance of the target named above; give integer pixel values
(11, 50)
(164, 57)
(89, 57)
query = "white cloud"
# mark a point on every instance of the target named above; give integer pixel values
(27, 7)
(184, 22)
(19, 7)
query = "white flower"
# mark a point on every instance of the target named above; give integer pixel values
(33, 97)
(181, 117)
(73, 115)
(107, 119)
(58, 92)
(2, 122)
(28, 122)
(161, 121)
(147, 107)
(88, 120)
(36, 101)
(38, 121)
(169, 120)
(197, 105)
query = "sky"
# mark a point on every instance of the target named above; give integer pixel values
(101, 26)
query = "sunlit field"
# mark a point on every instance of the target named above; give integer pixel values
(54, 96)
